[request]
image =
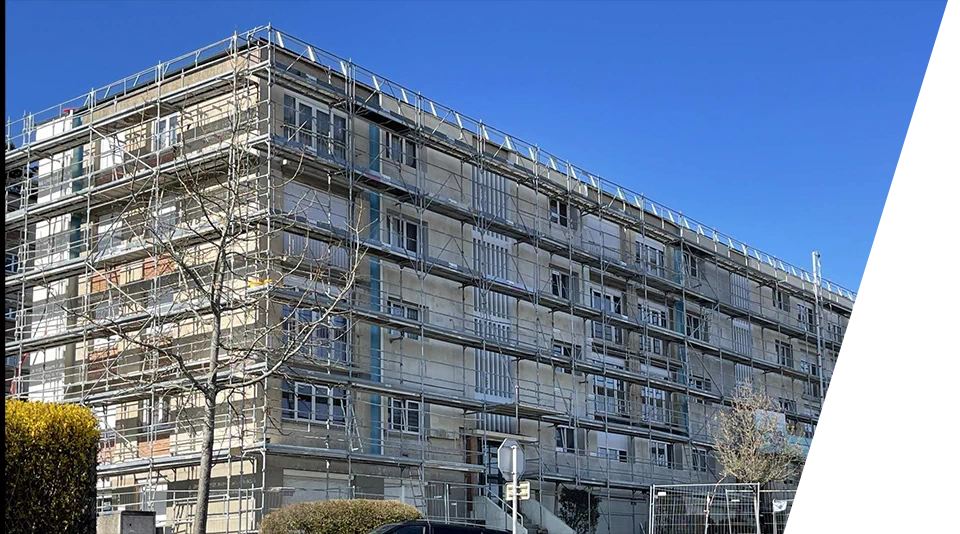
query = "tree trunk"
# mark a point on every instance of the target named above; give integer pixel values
(206, 463)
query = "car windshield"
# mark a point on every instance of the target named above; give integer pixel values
(383, 528)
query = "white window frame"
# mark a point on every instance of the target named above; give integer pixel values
(565, 438)
(651, 257)
(612, 453)
(155, 414)
(654, 405)
(691, 265)
(572, 352)
(805, 316)
(334, 398)
(788, 405)
(611, 304)
(559, 213)
(407, 310)
(610, 396)
(330, 341)
(560, 284)
(660, 452)
(398, 148)
(781, 300)
(398, 230)
(698, 332)
(784, 352)
(166, 131)
(701, 383)
(699, 459)
(404, 408)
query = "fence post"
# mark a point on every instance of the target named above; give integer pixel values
(756, 508)
(653, 497)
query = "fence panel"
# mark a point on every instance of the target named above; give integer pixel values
(705, 509)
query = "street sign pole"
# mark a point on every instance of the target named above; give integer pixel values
(516, 489)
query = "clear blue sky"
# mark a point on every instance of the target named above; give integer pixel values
(779, 123)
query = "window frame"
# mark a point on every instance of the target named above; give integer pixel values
(559, 213)
(565, 439)
(655, 457)
(419, 315)
(403, 157)
(691, 266)
(406, 406)
(698, 459)
(610, 390)
(398, 230)
(334, 398)
(171, 129)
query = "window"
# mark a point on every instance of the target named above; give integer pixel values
(691, 265)
(805, 316)
(339, 136)
(697, 327)
(834, 331)
(558, 213)
(309, 403)
(654, 404)
(788, 405)
(661, 453)
(406, 310)
(701, 383)
(650, 258)
(699, 459)
(165, 132)
(653, 345)
(616, 455)
(652, 316)
(560, 284)
(781, 300)
(400, 149)
(314, 336)
(610, 396)
(784, 353)
(811, 389)
(155, 411)
(567, 352)
(610, 304)
(12, 263)
(811, 369)
(566, 441)
(404, 234)
(404, 415)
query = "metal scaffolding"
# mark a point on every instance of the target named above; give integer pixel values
(501, 292)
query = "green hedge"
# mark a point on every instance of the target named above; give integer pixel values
(354, 516)
(51, 462)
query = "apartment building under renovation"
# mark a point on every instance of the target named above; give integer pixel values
(462, 287)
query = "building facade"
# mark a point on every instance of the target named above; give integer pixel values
(498, 292)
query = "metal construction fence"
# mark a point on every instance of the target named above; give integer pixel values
(705, 509)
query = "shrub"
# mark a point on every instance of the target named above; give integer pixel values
(354, 516)
(51, 462)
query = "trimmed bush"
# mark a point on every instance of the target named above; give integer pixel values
(51, 462)
(342, 516)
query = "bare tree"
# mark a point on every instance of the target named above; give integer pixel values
(752, 441)
(848, 473)
(922, 454)
(239, 280)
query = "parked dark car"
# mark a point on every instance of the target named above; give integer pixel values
(423, 527)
